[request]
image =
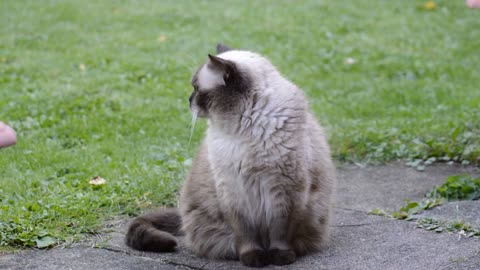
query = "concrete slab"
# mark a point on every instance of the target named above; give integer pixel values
(83, 258)
(387, 187)
(358, 240)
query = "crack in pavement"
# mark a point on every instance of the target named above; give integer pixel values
(351, 210)
(351, 225)
(152, 259)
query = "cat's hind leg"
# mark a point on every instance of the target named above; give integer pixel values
(209, 236)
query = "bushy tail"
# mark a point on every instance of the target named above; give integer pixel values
(155, 231)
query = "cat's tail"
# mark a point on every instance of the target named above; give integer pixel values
(155, 231)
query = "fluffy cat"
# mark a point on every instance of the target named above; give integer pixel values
(260, 188)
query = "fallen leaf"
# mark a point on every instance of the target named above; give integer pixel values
(97, 181)
(430, 5)
(44, 242)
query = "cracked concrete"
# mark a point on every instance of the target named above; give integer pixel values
(358, 240)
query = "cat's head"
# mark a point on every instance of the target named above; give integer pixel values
(223, 85)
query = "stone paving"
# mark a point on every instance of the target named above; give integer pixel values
(358, 240)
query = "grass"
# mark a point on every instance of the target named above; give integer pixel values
(458, 188)
(101, 88)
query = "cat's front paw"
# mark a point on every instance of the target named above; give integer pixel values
(254, 258)
(281, 257)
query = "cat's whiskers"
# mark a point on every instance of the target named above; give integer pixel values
(192, 125)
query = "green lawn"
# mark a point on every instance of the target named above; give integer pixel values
(101, 88)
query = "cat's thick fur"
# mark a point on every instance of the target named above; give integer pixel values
(260, 188)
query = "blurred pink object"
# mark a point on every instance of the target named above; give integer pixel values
(473, 3)
(7, 135)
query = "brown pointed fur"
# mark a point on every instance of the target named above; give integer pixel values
(155, 231)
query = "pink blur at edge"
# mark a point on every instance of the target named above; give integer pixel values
(473, 3)
(8, 136)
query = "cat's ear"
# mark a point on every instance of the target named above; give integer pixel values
(221, 48)
(227, 68)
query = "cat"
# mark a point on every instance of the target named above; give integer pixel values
(261, 186)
